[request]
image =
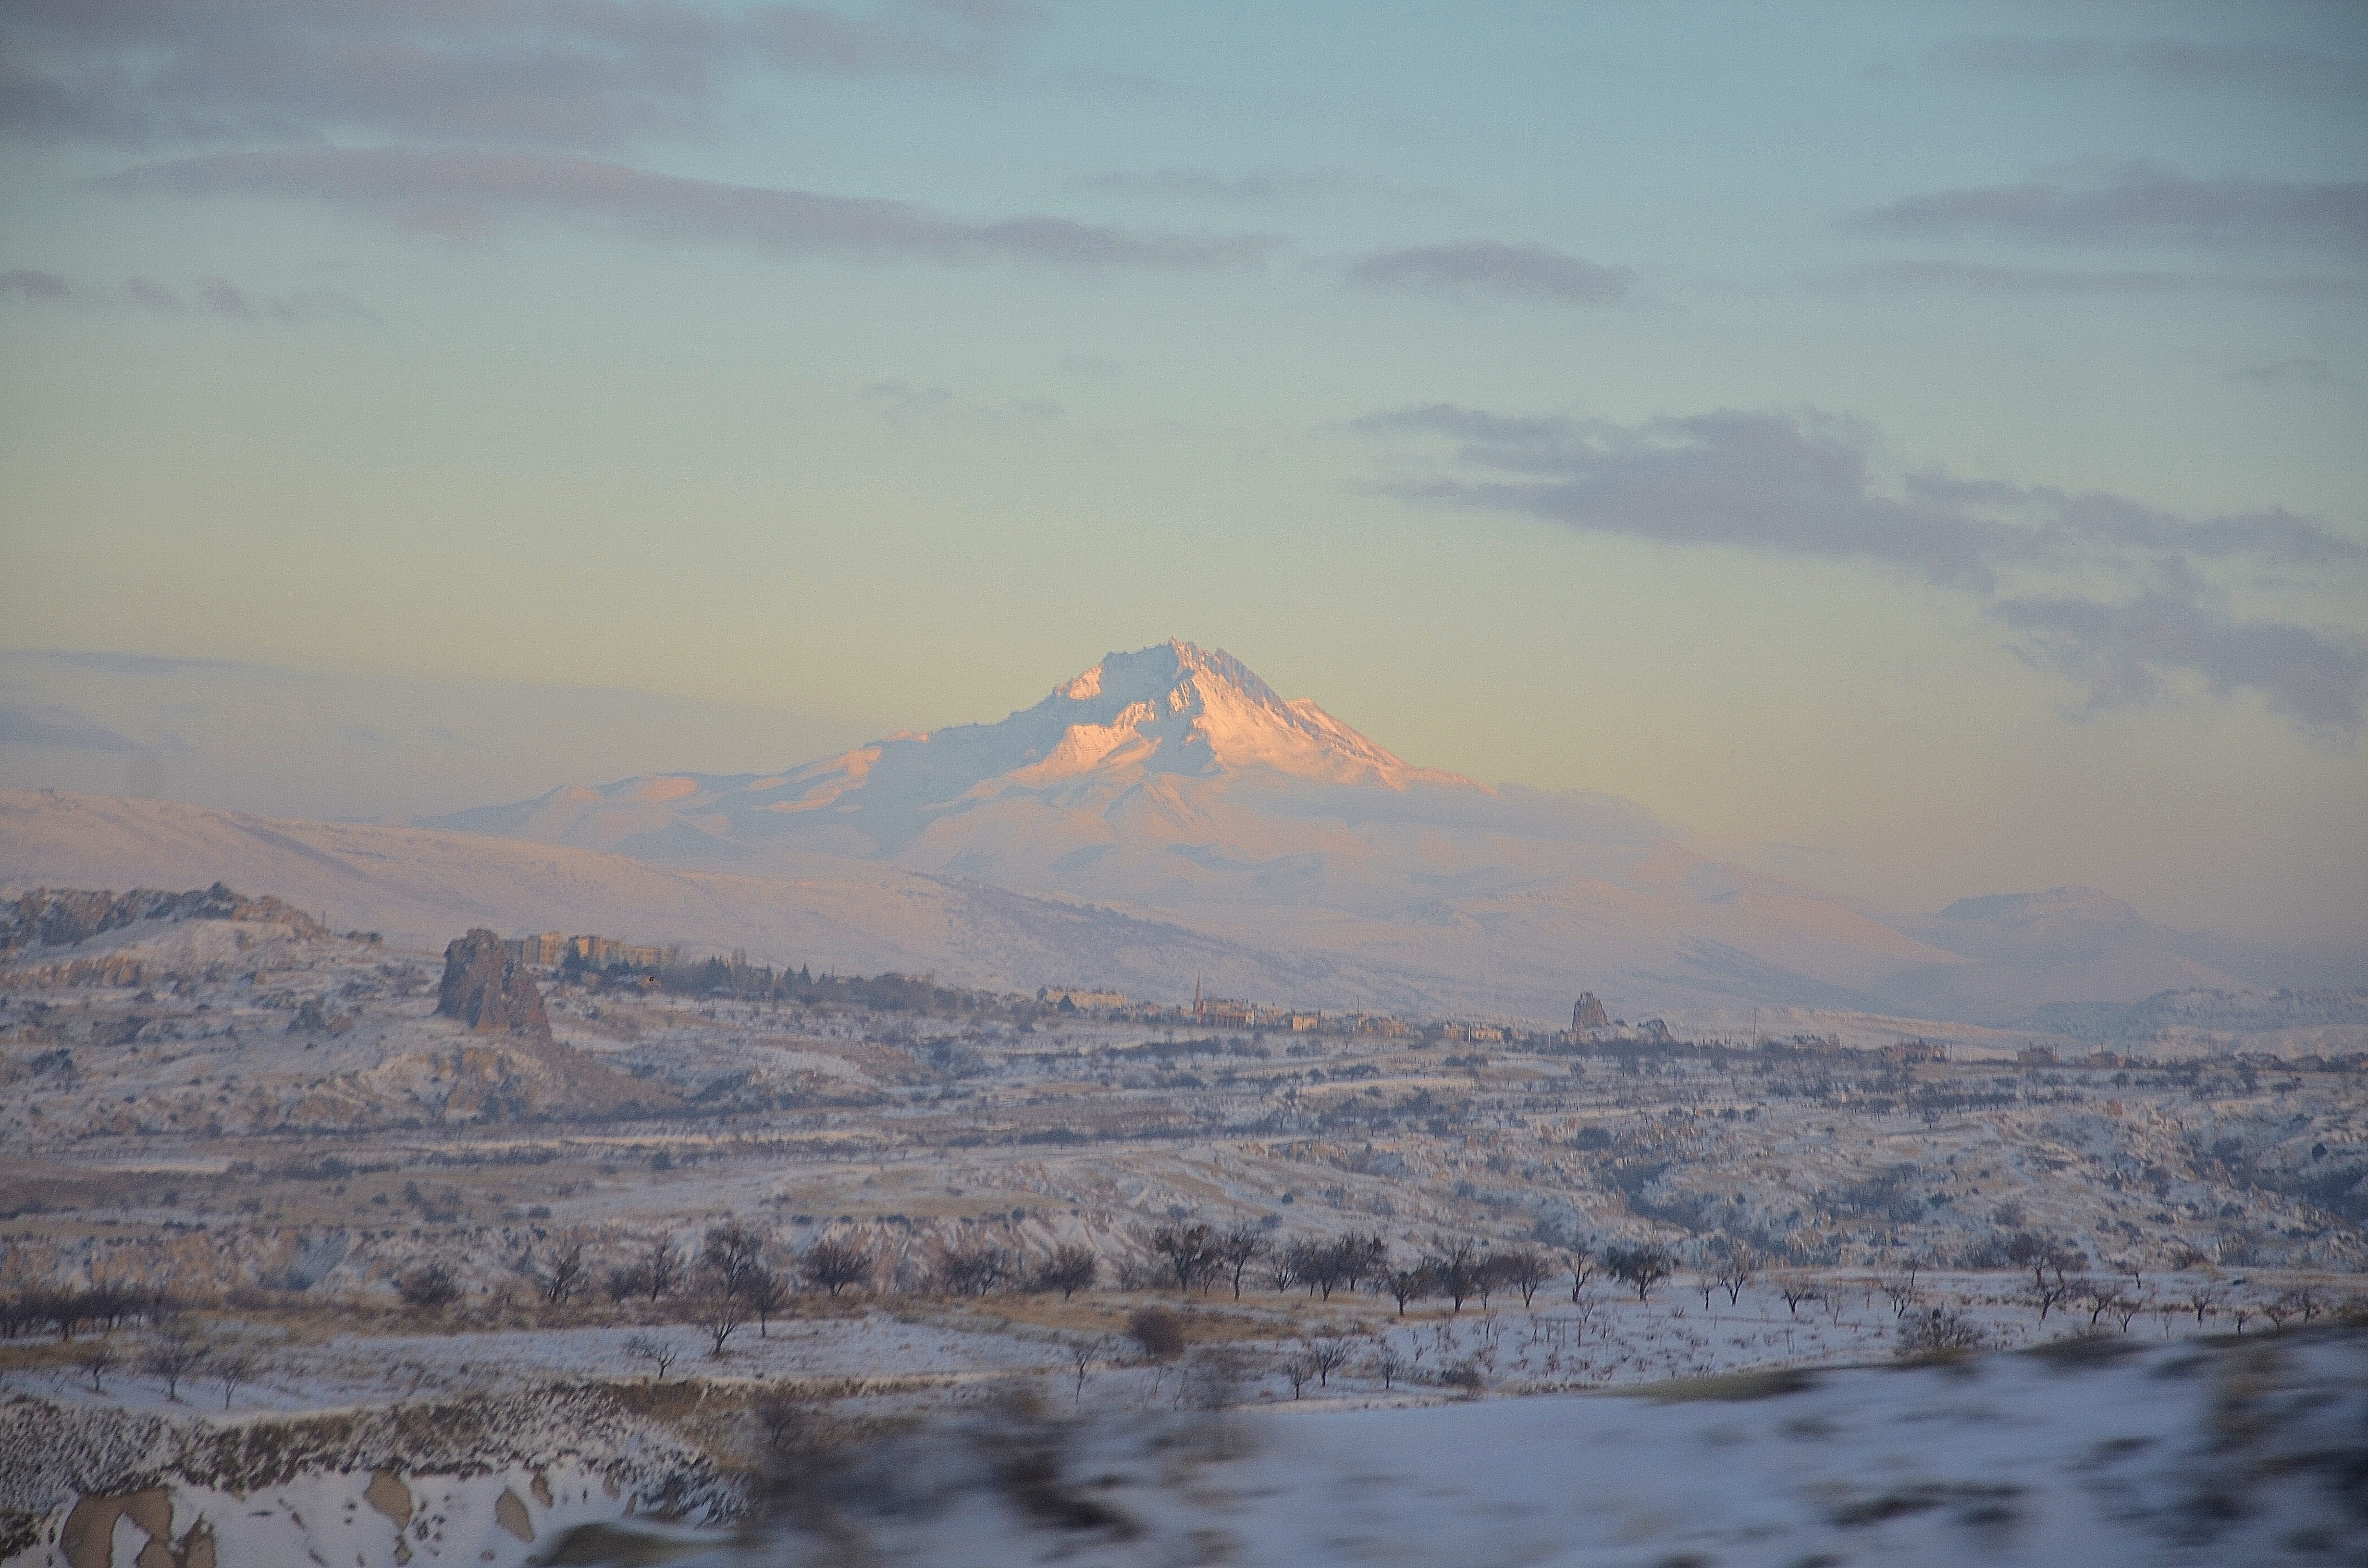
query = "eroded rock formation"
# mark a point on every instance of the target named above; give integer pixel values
(488, 990)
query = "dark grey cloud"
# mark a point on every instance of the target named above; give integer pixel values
(48, 724)
(1808, 485)
(2139, 204)
(1534, 274)
(218, 297)
(2168, 62)
(1978, 278)
(2303, 371)
(2125, 653)
(464, 194)
(1260, 187)
(579, 74)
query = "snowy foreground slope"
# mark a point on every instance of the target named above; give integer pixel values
(2089, 1453)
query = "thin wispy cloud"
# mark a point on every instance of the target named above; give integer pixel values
(467, 195)
(1983, 277)
(574, 73)
(1259, 187)
(2159, 62)
(2138, 204)
(2304, 371)
(2121, 596)
(1490, 268)
(215, 298)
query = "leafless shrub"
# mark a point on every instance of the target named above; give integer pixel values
(654, 1349)
(1160, 1332)
(1213, 1378)
(1938, 1331)
(974, 1269)
(1070, 1269)
(428, 1288)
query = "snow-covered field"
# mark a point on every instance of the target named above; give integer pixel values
(247, 1134)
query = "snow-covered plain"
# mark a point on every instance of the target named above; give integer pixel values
(270, 1124)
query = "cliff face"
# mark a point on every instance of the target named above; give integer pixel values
(488, 990)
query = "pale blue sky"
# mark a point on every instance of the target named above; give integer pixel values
(1914, 450)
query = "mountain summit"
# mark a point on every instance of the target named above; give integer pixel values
(1150, 726)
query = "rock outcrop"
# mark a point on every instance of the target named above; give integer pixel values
(57, 918)
(489, 990)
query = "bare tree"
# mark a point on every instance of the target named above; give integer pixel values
(1316, 1265)
(1326, 1355)
(1070, 1269)
(660, 1268)
(1639, 1267)
(1299, 1367)
(1582, 1265)
(974, 1269)
(1736, 1274)
(564, 1274)
(1404, 1285)
(1455, 1269)
(2050, 1288)
(658, 1351)
(1795, 1291)
(177, 1352)
(1190, 1252)
(1900, 1291)
(2102, 1296)
(96, 1359)
(729, 1253)
(1084, 1354)
(1241, 1245)
(720, 1314)
(232, 1367)
(833, 1263)
(1524, 1268)
(2203, 1300)
(765, 1294)
(1386, 1363)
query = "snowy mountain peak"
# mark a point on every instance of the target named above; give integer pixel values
(1179, 708)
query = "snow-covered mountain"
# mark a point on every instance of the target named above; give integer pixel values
(1173, 782)
(1163, 817)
